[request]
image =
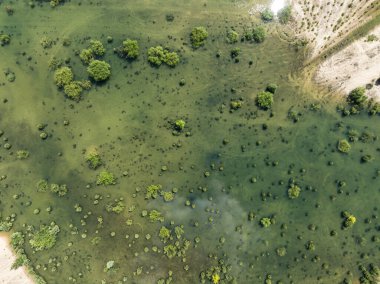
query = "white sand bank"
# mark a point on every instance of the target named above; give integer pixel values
(7, 275)
(325, 22)
(356, 65)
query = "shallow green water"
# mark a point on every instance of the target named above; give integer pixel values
(127, 119)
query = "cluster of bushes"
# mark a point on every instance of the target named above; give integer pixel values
(349, 220)
(43, 186)
(257, 34)
(97, 69)
(64, 79)
(358, 101)
(158, 55)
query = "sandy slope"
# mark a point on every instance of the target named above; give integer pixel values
(325, 22)
(7, 275)
(356, 65)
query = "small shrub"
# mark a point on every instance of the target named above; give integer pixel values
(343, 146)
(158, 55)
(198, 36)
(106, 178)
(179, 124)
(4, 39)
(232, 36)
(264, 100)
(271, 88)
(372, 37)
(93, 159)
(267, 15)
(235, 52)
(265, 222)
(258, 34)
(294, 191)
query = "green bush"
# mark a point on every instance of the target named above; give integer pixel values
(63, 76)
(357, 97)
(156, 55)
(93, 160)
(198, 36)
(97, 47)
(232, 36)
(4, 39)
(258, 34)
(153, 191)
(129, 49)
(235, 52)
(73, 90)
(264, 100)
(99, 70)
(285, 15)
(86, 56)
(267, 15)
(271, 88)
(171, 58)
(343, 146)
(265, 222)
(45, 237)
(106, 178)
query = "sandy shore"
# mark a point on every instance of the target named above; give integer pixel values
(356, 65)
(7, 257)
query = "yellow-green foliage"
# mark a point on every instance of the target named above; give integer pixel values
(155, 215)
(130, 49)
(198, 36)
(167, 195)
(86, 56)
(158, 55)
(97, 47)
(265, 222)
(73, 90)
(116, 207)
(99, 70)
(63, 76)
(45, 237)
(93, 159)
(106, 178)
(164, 234)
(343, 146)
(22, 154)
(294, 191)
(153, 191)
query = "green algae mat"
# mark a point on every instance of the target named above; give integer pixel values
(173, 142)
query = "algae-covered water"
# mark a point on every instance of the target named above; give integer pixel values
(228, 169)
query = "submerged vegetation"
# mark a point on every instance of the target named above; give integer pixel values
(177, 175)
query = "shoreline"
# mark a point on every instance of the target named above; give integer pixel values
(7, 258)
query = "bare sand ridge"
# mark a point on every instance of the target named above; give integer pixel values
(7, 275)
(356, 65)
(324, 22)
